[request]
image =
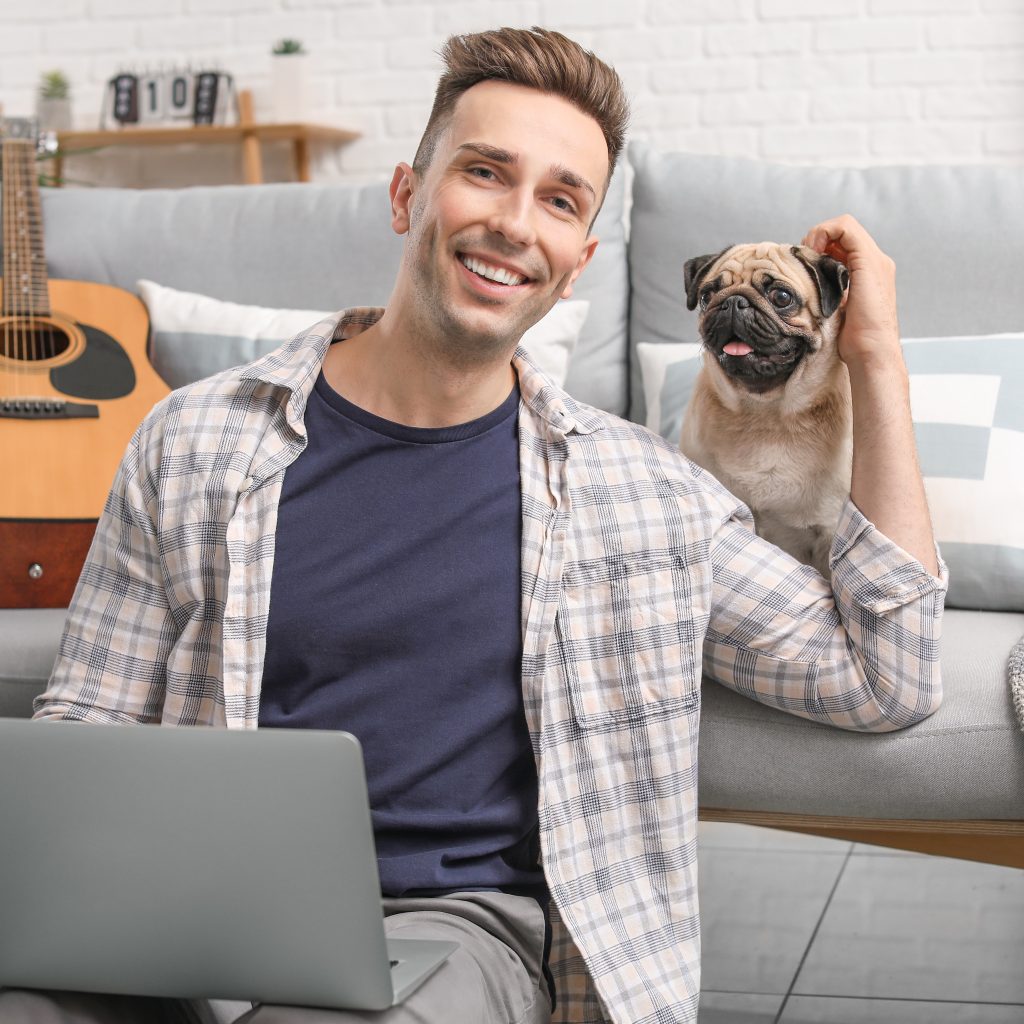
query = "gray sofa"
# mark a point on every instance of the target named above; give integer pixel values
(953, 784)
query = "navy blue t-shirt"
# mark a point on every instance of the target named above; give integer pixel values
(395, 615)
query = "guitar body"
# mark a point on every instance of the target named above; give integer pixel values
(75, 382)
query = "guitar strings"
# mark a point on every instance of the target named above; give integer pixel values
(19, 297)
(26, 170)
(12, 176)
(42, 334)
(25, 275)
(24, 282)
(12, 340)
(36, 308)
(10, 258)
(26, 341)
(4, 174)
(8, 241)
(19, 285)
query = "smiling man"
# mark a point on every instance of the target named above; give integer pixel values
(398, 526)
(497, 211)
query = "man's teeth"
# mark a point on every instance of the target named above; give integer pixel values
(498, 274)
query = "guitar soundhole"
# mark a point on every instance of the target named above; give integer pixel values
(32, 341)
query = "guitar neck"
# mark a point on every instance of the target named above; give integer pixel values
(25, 291)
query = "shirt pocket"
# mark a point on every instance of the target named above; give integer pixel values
(630, 633)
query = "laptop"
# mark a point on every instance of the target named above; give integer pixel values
(195, 863)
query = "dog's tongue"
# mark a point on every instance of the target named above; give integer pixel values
(737, 348)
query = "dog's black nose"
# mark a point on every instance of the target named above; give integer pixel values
(736, 302)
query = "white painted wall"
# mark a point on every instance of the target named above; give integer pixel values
(836, 82)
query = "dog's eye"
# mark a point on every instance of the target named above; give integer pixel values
(780, 297)
(705, 298)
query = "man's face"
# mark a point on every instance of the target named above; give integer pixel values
(498, 224)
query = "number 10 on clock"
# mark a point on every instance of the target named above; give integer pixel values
(166, 96)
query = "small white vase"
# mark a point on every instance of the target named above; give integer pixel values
(290, 86)
(53, 115)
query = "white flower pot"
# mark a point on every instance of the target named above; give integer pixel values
(290, 86)
(54, 115)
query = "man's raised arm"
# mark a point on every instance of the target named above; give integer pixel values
(886, 484)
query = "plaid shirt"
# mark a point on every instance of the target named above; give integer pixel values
(638, 571)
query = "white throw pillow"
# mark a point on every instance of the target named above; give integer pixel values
(194, 336)
(967, 403)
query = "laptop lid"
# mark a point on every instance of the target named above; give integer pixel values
(192, 862)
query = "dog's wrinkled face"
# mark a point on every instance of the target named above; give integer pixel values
(765, 309)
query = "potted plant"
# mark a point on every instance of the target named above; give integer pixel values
(53, 102)
(290, 80)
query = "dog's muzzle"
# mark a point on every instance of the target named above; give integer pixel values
(763, 355)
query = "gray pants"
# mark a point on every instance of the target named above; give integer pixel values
(495, 977)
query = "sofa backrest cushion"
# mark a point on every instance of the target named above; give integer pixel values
(304, 247)
(951, 230)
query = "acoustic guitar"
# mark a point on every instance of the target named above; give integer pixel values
(74, 384)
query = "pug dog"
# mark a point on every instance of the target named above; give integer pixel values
(770, 415)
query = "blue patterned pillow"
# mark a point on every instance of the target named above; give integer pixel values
(967, 401)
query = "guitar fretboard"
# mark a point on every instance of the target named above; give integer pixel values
(25, 291)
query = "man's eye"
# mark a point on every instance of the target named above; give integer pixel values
(482, 172)
(780, 297)
(561, 203)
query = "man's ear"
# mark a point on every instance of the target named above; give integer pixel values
(403, 186)
(585, 258)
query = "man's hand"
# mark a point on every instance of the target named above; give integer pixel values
(870, 333)
(886, 484)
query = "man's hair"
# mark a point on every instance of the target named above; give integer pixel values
(539, 59)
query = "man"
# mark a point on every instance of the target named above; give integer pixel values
(397, 525)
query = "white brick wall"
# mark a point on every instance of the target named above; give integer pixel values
(831, 82)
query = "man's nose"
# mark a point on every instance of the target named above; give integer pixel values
(513, 219)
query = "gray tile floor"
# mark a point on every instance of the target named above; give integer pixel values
(803, 930)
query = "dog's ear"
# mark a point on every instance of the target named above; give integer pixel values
(694, 272)
(831, 277)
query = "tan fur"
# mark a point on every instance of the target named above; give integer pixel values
(786, 453)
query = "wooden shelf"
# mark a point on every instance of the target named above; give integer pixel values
(247, 133)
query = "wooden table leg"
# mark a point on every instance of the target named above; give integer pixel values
(302, 159)
(252, 164)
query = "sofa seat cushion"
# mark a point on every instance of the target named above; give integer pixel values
(965, 761)
(29, 638)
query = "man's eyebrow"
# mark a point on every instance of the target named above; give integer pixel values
(572, 179)
(503, 156)
(499, 156)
